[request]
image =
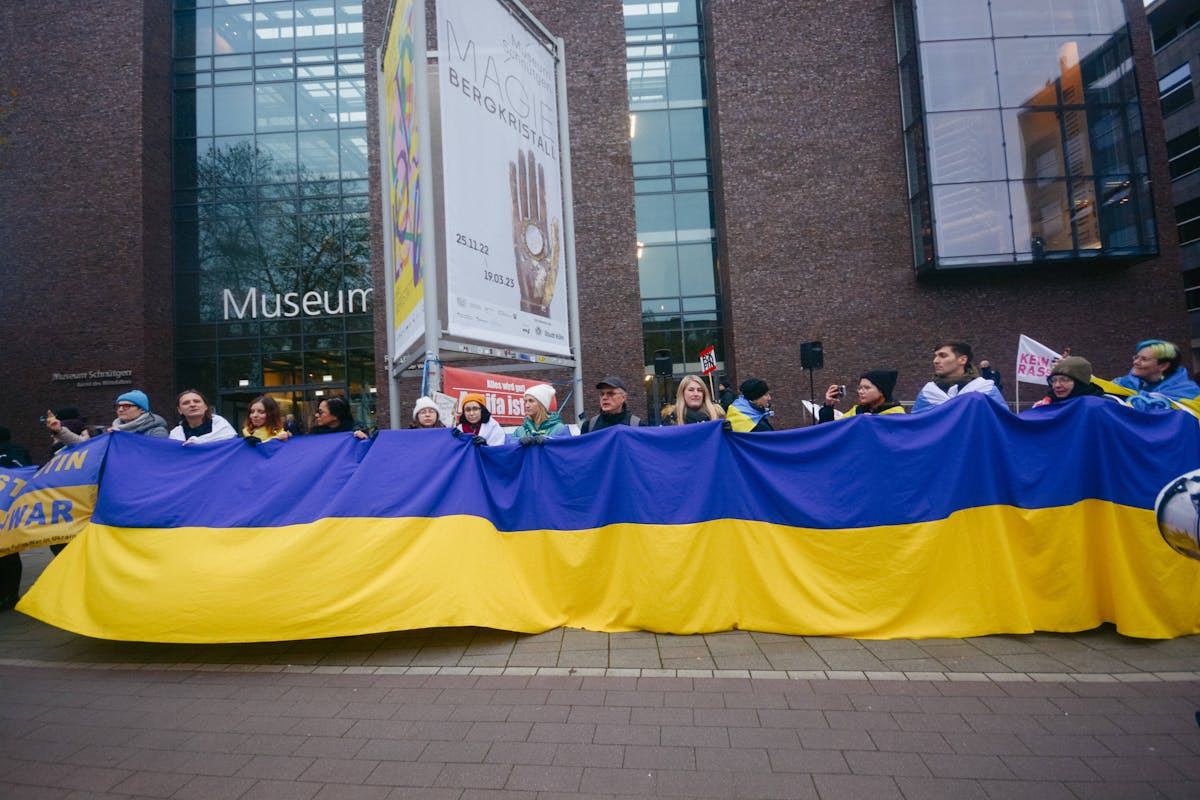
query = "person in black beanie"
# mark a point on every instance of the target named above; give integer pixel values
(751, 412)
(875, 389)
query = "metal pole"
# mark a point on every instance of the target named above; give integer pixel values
(388, 227)
(429, 244)
(564, 157)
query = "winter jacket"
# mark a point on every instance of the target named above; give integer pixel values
(1176, 386)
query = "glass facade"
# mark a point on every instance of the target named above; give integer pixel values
(271, 214)
(672, 170)
(1023, 133)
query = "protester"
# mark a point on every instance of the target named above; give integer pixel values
(10, 580)
(1157, 376)
(613, 408)
(264, 421)
(725, 395)
(986, 371)
(875, 389)
(70, 419)
(197, 422)
(333, 416)
(692, 404)
(12, 455)
(751, 411)
(540, 422)
(954, 375)
(425, 414)
(1070, 377)
(133, 416)
(292, 425)
(477, 421)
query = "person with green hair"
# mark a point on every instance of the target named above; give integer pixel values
(1157, 377)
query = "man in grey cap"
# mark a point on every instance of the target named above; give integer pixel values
(613, 410)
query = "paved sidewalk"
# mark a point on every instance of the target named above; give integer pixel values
(470, 713)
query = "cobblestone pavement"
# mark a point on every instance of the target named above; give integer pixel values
(472, 713)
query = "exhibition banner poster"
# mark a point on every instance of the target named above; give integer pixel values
(503, 194)
(402, 179)
(505, 394)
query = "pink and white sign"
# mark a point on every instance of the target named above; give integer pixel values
(1034, 361)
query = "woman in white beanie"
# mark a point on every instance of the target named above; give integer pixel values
(540, 422)
(425, 414)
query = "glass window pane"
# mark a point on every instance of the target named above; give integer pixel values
(972, 220)
(1034, 144)
(953, 19)
(688, 134)
(277, 157)
(316, 104)
(275, 108)
(352, 102)
(650, 137)
(354, 154)
(1041, 217)
(958, 76)
(696, 272)
(965, 146)
(273, 27)
(318, 155)
(658, 272)
(693, 216)
(1033, 71)
(684, 80)
(232, 30)
(315, 24)
(1084, 213)
(1024, 17)
(349, 23)
(655, 215)
(234, 107)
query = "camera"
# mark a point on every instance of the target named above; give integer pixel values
(43, 420)
(842, 391)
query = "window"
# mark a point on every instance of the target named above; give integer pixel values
(1187, 217)
(1184, 153)
(1175, 89)
(1023, 132)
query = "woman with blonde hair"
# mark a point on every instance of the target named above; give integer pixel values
(692, 404)
(264, 421)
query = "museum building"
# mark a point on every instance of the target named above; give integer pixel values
(191, 194)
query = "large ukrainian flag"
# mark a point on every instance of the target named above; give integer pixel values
(963, 521)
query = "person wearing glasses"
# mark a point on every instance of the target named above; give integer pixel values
(133, 416)
(613, 410)
(1070, 377)
(1157, 377)
(333, 416)
(874, 394)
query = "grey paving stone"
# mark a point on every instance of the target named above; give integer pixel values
(944, 765)
(857, 787)
(589, 755)
(944, 789)
(869, 762)
(281, 790)
(474, 776)
(522, 753)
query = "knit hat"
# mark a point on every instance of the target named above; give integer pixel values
(884, 380)
(753, 389)
(473, 397)
(543, 393)
(1076, 368)
(137, 397)
(424, 402)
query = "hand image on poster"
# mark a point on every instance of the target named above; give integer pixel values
(535, 237)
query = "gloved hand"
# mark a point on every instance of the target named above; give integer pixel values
(525, 441)
(479, 441)
(726, 425)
